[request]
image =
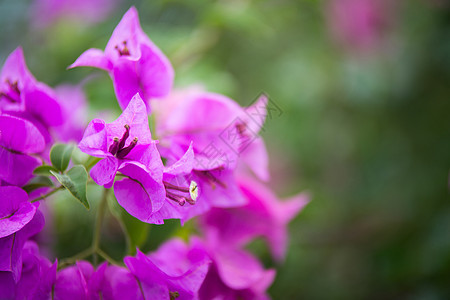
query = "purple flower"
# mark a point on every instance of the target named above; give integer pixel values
(19, 220)
(74, 105)
(21, 93)
(222, 132)
(33, 279)
(72, 282)
(126, 146)
(264, 215)
(173, 272)
(236, 274)
(359, 24)
(233, 273)
(134, 63)
(116, 283)
(18, 139)
(181, 192)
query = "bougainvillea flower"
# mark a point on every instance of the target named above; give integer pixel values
(21, 92)
(222, 132)
(74, 107)
(18, 221)
(115, 283)
(32, 279)
(18, 138)
(232, 274)
(134, 63)
(15, 210)
(181, 192)
(359, 24)
(168, 279)
(239, 225)
(236, 274)
(126, 146)
(72, 282)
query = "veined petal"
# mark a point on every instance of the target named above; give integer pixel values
(20, 135)
(15, 210)
(17, 169)
(134, 198)
(95, 140)
(17, 220)
(135, 115)
(11, 246)
(140, 195)
(104, 171)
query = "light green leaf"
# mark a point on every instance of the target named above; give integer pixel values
(44, 170)
(60, 156)
(75, 182)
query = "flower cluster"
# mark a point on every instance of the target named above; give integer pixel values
(207, 161)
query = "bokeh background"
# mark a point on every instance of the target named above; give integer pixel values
(364, 88)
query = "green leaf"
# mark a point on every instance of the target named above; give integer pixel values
(136, 231)
(75, 182)
(38, 182)
(60, 156)
(44, 170)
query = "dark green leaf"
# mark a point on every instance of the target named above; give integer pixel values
(136, 231)
(60, 156)
(38, 182)
(75, 182)
(44, 170)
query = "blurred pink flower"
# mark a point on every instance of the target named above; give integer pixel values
(264, 215)
(74, 106)
(358, 24)
(46, 12)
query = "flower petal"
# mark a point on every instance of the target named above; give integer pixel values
(15, 210)
(128, 30)
(140, 195)
(17, 169)
(104, 171)
(15, 69)
(126, 82)
(94, 141)
(135, 115)
(93, 58)
(156, 72)
(41, 101)
(20, 135)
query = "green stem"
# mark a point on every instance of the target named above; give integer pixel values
(48, 194)
(71, 260)
(107, 257)
(98, 224)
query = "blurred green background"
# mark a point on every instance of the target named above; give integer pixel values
(365, 128)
